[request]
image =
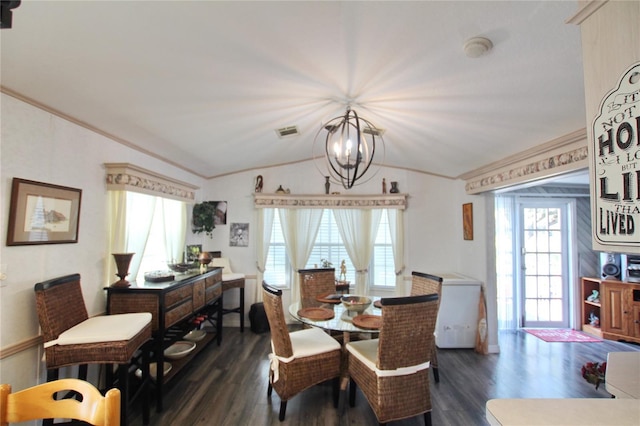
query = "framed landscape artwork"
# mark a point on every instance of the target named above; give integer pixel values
(42, 213)
(467, 221)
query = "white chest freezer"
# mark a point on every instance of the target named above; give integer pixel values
(457, 322)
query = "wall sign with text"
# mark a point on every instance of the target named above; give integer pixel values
(616, 165)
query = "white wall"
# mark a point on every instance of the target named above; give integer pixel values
(37, 145)
(433, 220)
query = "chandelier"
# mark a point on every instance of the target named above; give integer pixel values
(350, 143)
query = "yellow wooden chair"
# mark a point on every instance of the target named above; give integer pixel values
(38, 402)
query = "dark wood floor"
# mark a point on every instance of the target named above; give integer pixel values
(227, 385)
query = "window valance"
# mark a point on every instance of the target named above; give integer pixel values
(127, 177)
(293, 201)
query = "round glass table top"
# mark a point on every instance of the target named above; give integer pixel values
(342, 319)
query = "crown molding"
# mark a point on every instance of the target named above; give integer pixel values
(307, 201)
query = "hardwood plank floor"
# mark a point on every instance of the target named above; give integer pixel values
(227, 385)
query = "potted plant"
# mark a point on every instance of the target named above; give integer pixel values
(202, 219)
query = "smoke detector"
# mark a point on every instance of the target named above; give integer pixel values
(477, 46)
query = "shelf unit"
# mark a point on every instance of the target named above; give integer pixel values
(173, 306)
(588, 285)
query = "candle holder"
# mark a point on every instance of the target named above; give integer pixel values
(123, 260)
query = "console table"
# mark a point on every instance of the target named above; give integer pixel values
(173, 306)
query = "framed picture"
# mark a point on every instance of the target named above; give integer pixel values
(467, 221)
(193, 251)
(42, 213)
(239, 235)
(220, 214)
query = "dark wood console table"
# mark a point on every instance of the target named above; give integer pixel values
(173, 306)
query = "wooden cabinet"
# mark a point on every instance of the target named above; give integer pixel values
(173, 306)
(619, 309)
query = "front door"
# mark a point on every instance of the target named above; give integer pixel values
(545, 279)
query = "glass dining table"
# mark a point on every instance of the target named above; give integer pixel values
(341, 321)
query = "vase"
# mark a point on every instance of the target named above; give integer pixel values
(123, 260)
(394, 188)
(327, 185)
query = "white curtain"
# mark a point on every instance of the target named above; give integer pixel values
(131, 215)
(263, 232)
(299, 228)
(504, 241)
(174, 220)
(396, 230)
(358, 229)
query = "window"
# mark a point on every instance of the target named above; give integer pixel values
(154, 257)
(277, 267)
(329, 246)
(150, 226)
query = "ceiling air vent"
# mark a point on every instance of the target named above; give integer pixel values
(287, 131)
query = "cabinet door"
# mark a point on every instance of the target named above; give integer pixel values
(635, 323)
(615, 313)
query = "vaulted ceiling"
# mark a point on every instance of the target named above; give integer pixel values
(205, 84)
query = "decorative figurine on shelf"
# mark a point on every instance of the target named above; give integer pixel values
(594, 297)
(327, 185)
(384, 186)
(280, 190)
(594, 320)
(343, 271)
(394, 188)
(259, 183)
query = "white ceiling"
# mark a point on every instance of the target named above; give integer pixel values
(205, 84)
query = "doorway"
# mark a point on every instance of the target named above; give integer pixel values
(544, 232)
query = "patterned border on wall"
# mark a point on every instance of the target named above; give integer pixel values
(394, 201)
(127, 177)
(541, 167)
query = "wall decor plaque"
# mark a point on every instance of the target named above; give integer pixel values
(615, 166)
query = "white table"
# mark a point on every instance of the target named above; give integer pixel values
(622, 378)
(565, 412)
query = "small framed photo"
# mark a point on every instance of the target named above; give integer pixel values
(193, 251)
(42, 213)
(239, 235)
(467, 221)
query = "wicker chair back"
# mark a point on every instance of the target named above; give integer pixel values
(316, 282)
(60, 305)
(272, 299)
(406, 337)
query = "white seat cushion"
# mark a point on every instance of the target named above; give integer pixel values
(367, 352)
(232, 277)
(307, 342)
(222, 262)
(106, 328)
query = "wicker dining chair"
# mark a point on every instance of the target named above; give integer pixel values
(393, 370)
(72, 338)
(300, 359)
(38, 402)
(422, 283)
(314, 283)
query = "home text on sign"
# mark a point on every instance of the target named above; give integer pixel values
(616, 165)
